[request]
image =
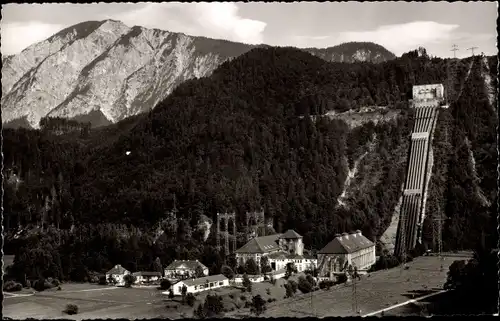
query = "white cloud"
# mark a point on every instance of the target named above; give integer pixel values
(400, 38)
(16, 35)
(215, 20)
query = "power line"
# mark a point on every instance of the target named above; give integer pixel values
(472, 49)
(455, 49)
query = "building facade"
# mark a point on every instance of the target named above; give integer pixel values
(280, 249)
(146, 277)
(117, 274)
(200, 284)
(347, 250)
(184, 269)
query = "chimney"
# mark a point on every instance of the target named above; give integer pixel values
(358, 232)
(345, 235)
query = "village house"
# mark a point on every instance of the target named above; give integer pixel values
(253, 278)
(117, 274)
(200, 284)
(347, 249)
(146, 277)
(280, 249)
(183, 269)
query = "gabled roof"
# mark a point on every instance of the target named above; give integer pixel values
(345, 244)
(261, 244)
(146, 273)
(185, 264)
(117, 269)
(291, 234)
(203, 280)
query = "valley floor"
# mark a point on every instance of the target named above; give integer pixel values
(379, 290)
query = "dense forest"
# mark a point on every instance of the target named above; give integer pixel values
(234, 142)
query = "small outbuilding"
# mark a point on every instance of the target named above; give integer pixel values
(200, 284)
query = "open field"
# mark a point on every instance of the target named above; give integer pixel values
(93, 302)
(377, 291)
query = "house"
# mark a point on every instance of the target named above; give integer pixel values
(146, 277)
(280, 249)
(277, 274)
(200, 284)
(117, 273)
(347, 249)
(183, 269)
(253, 278)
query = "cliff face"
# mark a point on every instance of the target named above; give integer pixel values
(110, 71)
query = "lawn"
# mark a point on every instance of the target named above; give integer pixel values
(377, 291)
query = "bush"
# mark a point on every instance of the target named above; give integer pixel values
(59, 288)
(342, 278)
(11, 286)
(71, 309)
(165, 284)
(268, 291)
(243, 298)
(102, 280)
(270, 300)
(190, 299)
(304, 285)
(55, 282)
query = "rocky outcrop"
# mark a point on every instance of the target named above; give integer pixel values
(108, 69)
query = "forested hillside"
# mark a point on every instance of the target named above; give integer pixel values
(233, 141)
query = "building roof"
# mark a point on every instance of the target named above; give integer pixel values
(185, 264)
(291, 234)
(284, 255)
(146, 273)
(117, 269)
(347, 243)
(261, 244)
(203, 280)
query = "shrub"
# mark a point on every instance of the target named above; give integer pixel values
(304, 285)
(190, 299)
(268, 291)
(71, 309)
(55, 282)
(270, 300)
(165, 284)
(129, 280)
(231, 296)
(11, 286)
(102, 280)
(243, 298)
(58, 288)
(342, 278)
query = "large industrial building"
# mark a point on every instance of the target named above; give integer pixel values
(346, 249)
(280, 249)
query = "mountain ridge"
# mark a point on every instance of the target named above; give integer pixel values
(120, 71)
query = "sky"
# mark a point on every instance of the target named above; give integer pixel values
(398, 26)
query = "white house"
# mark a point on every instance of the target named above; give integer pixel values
(253, 278)
(146, 277)
(347, 249)
(183, 269)
(280, 249)
(117, 273)
(200, 284)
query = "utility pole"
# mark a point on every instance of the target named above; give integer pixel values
(472, 50)
(455, 48)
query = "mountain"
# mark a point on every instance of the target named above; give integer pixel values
(104, 71)
(321, 146)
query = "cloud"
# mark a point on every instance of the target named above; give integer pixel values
(400, 38)
(18, 35)
(215, 20)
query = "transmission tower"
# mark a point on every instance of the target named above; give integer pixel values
(437, 234)
(455, 49)
(472, 50)
(226, 217)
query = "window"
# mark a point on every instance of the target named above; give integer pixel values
(211, 284)
(221, 283)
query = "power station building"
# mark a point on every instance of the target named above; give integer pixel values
(344, 250)
(280, 249)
